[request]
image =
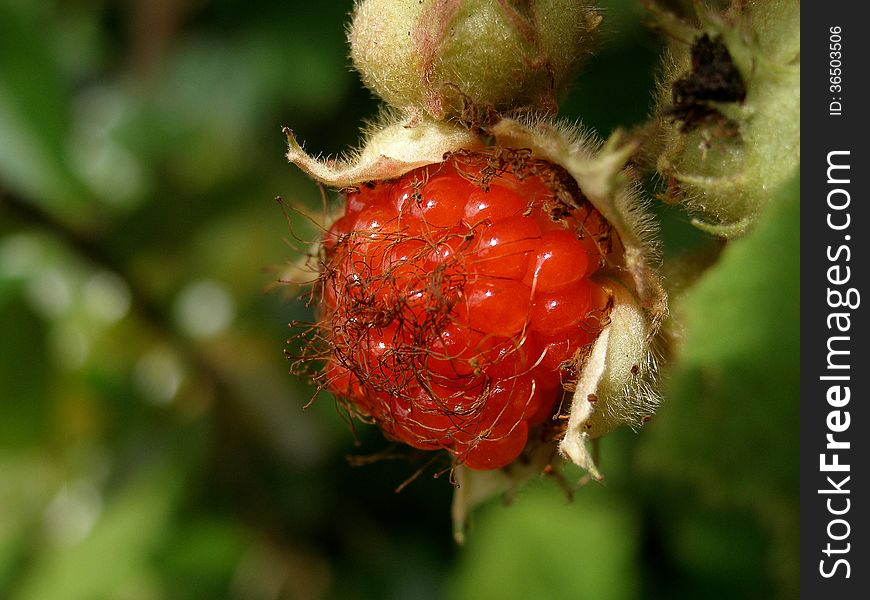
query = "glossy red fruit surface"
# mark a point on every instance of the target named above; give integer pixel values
(452, 298)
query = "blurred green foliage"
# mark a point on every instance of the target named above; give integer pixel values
(152, 444)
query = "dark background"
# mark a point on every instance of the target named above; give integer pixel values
(152, 443)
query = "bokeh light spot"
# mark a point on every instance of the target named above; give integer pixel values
(204, 309)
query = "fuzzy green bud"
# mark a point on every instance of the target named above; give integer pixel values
(451, 59)
(730, 111)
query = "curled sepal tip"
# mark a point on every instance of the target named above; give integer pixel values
(615, 386)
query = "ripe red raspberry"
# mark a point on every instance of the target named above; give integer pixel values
(453, 297)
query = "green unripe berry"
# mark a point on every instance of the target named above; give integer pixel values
(452, 58)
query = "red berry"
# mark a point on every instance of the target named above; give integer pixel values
(495, 204)
(559, 260)
(434, 203)
(503, 247)
(554, 312)
(497, 452)
(495, 306)
(452, 298)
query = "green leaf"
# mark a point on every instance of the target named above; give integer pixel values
(27, 481)
(543, 546)
(732, 402)
(200, 558)
(24, 376)
(730, 423)
(114, 556)
(34, 113)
